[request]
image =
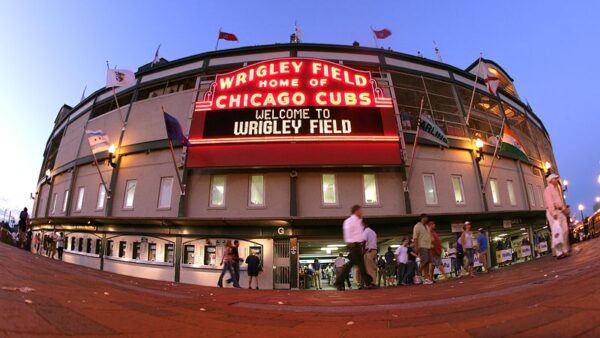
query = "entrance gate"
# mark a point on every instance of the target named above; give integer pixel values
(281, 263)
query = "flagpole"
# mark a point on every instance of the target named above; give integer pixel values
(181, 186)
(412, 156)
(495, 154)
(474, 88)
(427, 94)
(374, 37)
(116, 101)
(218, 38)
(108, 192)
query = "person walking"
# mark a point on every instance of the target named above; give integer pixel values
(452, 255)
(411, 264)
(467, 241)
(253, 263)
(226, 262)
(52, 245)
(317, 274)
(353, 236)
(36, 243)
(402, 260)
(422, 242)
(23, 223)
(381, 271)
(60, 245)
(390, 266)
(482, 244)
(235, 262)
(370, 255)
(436, 249)
(557, 219)
(339, 263)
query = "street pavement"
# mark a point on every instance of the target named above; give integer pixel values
(541, 298)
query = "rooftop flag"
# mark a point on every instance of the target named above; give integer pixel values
(174, 130)
(382, 34)
(491, 80)
(227, 36)
(98, 140)
(430, 131)
(156, 56)
(119, 78)
(512, 145)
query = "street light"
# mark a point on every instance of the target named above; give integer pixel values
(48, 178)
(565, 185)
(547, 166)
(111, 155)
(581, 207)
(597, 199)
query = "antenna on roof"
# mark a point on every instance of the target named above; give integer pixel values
(437, 51)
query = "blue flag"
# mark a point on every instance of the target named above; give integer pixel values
(174, 131)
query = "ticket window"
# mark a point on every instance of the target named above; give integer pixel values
(188, 254)
(73, 239)
(136, 250)
(88, 245)
(109, 248)
(152, 252)
(80, 245)
(122, 248)
(98, 247)
(210, 255)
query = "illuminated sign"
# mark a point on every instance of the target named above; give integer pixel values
(289, 101)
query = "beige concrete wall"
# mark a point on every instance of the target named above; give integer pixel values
(60, 183)
(538, 186)
(443, 164)
(110, 123)
(503, 170)
(88, 177)
(277, 196)
(43, 197)
(69, 144)
(350, 191)
(146, 122)
(147, 169)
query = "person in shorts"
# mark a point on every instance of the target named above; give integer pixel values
(422, 239)
(468, 243)
(436, 249)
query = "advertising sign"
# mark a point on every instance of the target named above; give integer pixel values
(543, 246)
(447, 263)
(293, 111)
(525, 251)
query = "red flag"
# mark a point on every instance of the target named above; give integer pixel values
(382, 34)
(227, 36)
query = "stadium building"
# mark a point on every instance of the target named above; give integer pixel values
(284, 139)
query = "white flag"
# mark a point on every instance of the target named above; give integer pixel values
(98, 140)
(119, 78)
(489, 76)
(430, 131)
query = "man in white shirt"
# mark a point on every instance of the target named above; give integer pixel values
(402, 259)
(370, 255)
(555, 212)
(353, 236)
(340, 261)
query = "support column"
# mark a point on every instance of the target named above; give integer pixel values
(102, 250)
(177, 261)
(293, 194)
(294, 248)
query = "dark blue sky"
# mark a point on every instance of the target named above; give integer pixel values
(52, 49)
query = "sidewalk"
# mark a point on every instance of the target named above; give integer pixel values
(541, 298)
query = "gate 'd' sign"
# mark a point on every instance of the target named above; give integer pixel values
(289, 101)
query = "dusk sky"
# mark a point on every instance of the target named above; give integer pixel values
(50, 50)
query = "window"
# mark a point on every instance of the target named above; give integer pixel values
(109, 247)
(531, 194)
(430, 190)
(152, 252)
(136, 250)
(188, 254)
(80, 193)
(122, 248)
(54, 198)
(66, 243)
(329, 189)
(98, 247)
(495, 191)
(73, 243)
(541, 196)
(65, 201)
(370, 189)
(129, 194)
(217, 191)
(257, 190)
(169, 253)
(80, 245)
(511, 193)
(101, 197)
(459, 192)
(88, 245)
(166, 190)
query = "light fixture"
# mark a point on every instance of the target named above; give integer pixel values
(48, 177)
(581, 207)
(598, 179)
(111, 155)
(493, 71)
(547, 166)
(565, 185)
(479, 149)
(597, 199)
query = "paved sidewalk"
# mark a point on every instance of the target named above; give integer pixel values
(543, 298)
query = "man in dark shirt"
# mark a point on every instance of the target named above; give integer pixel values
(23, 220)
(390, 266)
(236, 262)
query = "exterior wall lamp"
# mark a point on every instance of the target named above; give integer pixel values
(548, 167)
(48, 176)
(479, 149)
(565, 184)
(111, 155)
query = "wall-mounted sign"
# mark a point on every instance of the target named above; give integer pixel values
(284, 103)
(507, 223)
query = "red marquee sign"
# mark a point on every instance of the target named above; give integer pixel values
(289, 103)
